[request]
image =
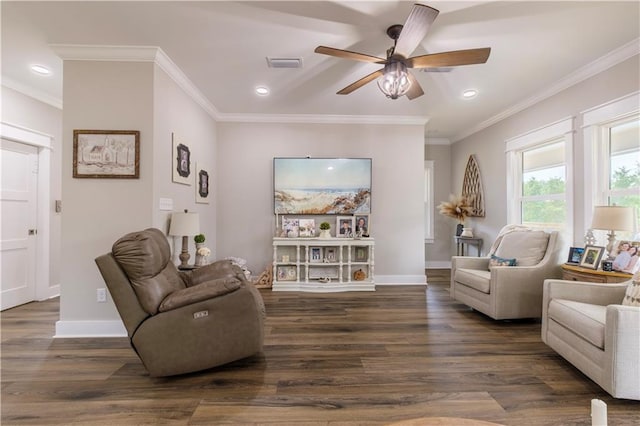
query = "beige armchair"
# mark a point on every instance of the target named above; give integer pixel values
(508, 292)
(180, 322)
(587, 325)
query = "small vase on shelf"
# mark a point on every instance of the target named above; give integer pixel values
(459, 229)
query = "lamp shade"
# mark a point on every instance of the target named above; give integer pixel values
(184, 224)
(616, 218)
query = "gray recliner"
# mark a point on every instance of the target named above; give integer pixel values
(180, 322)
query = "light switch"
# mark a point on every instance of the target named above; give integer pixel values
(166, 204)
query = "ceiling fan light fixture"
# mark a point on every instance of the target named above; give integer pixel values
(395, 80)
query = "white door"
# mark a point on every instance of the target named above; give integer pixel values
(18, 195)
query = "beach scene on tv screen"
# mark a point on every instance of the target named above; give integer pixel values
(322, 185)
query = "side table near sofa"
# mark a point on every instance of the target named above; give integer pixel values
(578, 273)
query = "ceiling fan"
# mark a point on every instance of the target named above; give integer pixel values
(394, 79)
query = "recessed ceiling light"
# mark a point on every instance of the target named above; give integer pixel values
(262, 90)
(471, 93)
(40, 69)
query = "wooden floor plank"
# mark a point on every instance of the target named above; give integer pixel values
(359, 358)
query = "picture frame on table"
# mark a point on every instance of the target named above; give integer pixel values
(344, 226)
(307, 228)
(330, 255)
(361, 253)
(575, 255)
(591, 256)
(286, 273)
(315, 254)
(106, 154)
(362, 225)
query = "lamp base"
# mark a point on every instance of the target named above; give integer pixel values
(610, 245)
(184, 254)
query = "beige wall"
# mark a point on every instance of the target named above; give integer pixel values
(176, 112)
(99, 211)
(613, 83)
(24, 111)
(246, 220)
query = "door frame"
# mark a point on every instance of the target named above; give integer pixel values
(44, 144)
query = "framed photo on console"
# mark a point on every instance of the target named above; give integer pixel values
(575, 254)
(345, 226)
(315, 254)
(591, 257)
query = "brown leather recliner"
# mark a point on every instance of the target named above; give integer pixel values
(180, 322)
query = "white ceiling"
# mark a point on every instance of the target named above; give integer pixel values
(537, 47)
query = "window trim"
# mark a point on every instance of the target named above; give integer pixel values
(596, 123)
(561, 130)
(429, 207)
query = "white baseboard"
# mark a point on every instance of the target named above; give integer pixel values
(68, 329)
(438, 264)
(401, 279)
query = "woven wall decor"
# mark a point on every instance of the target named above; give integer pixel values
(472, 187)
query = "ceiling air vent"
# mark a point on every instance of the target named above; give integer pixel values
(284, 62)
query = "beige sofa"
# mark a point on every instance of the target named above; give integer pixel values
(587, 325)
(508, 292)
(180, 322)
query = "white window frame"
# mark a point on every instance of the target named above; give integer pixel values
(596, 123)
(558, 131)
(429, 207)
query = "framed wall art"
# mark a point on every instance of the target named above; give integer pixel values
(322, 185)
(203, 184)
(109, 154)
(591, 257)
(181, 161)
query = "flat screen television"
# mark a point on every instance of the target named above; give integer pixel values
(322, 185)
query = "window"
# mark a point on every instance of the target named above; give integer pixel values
(612, 156)
(539, 181)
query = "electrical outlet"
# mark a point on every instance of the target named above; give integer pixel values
(101, 295)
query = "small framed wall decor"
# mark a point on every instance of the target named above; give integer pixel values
(181, 161)
(575, 255)
(591, 257)
(108, 154)
(203, 184)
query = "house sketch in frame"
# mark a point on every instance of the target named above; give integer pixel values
(106, 154)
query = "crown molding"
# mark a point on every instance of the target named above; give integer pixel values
(437, 141)
(75, 52)
(324, 119)
(601, 64)
(32, 93)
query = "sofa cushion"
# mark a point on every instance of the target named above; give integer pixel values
(583, 319)
(632, 294)
(200, 292)
(475, 278)
(528, 247)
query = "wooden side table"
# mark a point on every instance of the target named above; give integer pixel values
(461, 242)
(578, 273)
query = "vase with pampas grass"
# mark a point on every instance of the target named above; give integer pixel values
(459, 208)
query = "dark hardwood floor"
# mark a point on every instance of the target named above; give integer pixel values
(360, 358)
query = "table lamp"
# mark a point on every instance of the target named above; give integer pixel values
(184, 225)
(612, 218)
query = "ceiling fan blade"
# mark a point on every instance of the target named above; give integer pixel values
(415, 90)
(358, 84)
(414, 29)
(450, 59)
(346, 54)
